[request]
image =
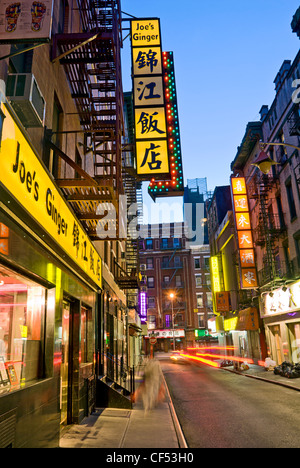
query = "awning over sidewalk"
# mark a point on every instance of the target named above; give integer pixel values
(245, 320)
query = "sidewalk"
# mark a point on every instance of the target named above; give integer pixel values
(122, 428)
(259, 372)
(160, 428)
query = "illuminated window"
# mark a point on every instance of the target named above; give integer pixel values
(22, 312)
(200, 300)
(168, 321)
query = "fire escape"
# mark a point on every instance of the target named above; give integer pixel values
(92, 63)
(91, 60)
(269, 227)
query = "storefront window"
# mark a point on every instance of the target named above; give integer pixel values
(22, 312)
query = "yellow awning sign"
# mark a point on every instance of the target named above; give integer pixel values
(24, 176)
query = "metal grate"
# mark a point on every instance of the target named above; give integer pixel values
(8, 429)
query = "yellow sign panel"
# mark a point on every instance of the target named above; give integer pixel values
(243, 221)
(152, 157)
(214, 268)
(150, 123)
(148, 91)
(145, 32)
(239, 186)
(249, 278)
(24, 176)
(147, 61)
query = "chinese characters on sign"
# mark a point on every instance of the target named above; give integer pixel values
(244, 233)
(149, 100)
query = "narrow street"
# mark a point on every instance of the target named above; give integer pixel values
(219, 409)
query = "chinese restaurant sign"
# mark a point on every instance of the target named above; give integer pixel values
(25, 20)
(24, 176)
(152, 157)
(174, 185)
(244, 233)
(215, 278)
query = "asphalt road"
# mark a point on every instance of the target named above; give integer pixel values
(219, 409)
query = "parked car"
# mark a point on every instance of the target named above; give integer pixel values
(177, 358)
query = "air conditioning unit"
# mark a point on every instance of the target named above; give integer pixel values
(26, 99)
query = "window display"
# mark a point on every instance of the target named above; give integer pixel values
(22, 311)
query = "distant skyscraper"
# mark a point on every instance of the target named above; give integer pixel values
(195, 197)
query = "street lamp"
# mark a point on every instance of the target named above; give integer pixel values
(264, 162)
(172, 295)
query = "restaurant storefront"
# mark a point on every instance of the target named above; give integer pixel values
(280, 311)
(50, 279)
(244, 333)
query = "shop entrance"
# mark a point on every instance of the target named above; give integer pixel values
(276, 344)
(65, 376)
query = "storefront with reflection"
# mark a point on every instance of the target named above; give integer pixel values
(280, 310)
(50, 280)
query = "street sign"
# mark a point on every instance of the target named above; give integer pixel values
(153, 340)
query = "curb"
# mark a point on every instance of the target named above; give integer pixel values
(281, 384)
(180, 436)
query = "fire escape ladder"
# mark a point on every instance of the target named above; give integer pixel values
(91, 60)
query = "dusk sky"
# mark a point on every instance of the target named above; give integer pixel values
(226, 54)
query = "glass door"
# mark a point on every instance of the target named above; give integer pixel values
(65, 352)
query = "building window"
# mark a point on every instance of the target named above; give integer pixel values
(198, 279)
(166, 280)
(197, 263)
(150, 264)
(150, 281)
(168, 321)
(151, 302)
(200, 300)
(209, 299)
(207, 279)
(201, 321)
(152, 321)
(149, 244)
(297, 244)
(176, 243)
(164, 243)
(178, 281)
(22, 315)
(291, 201)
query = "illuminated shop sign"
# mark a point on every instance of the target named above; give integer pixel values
(25, 20)
(143, 307)
(24, 176)
(248, 271)
(152, 156)
(174, 185)
(215, 274)
(282, 300)
(178, 333)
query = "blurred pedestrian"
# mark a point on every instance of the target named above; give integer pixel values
(152, 388)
